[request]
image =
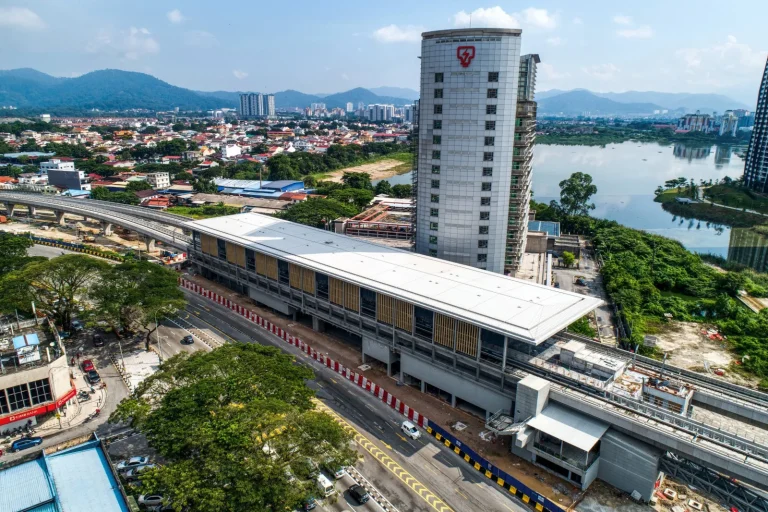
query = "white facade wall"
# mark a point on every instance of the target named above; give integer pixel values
(159, 180)
(462, 145)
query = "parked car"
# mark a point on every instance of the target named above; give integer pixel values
(309, 504)
(27, 442)
(98, 340)
(187, 340)
(93, 377)
(87, 365)
(134, 474)
(125, 465)
(151, 500)
(77, 326)
(359, 493)
(410, 430)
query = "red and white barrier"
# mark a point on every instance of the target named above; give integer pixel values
(358, 379)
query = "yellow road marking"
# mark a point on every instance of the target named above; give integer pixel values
(334, 381)
(402, 437)
(462, 494)
(393, 467)
(508, 508)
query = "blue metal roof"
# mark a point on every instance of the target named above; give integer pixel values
(25, 486)
(551, 228)
(25, 340)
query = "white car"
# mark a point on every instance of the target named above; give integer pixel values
(150, 500)
(134, 474)
(131, 463)
(410, 430)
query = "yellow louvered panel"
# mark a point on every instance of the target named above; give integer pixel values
(261, 264)
(271, 264)
(308, 278)
(352, 297)
(208, 244)
(444, 329)
(385, 306)
(235, 254)
(404, 317)
(337, 291)
(295, 275)
(466, 338)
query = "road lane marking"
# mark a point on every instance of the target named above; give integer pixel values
(403, 438)
(461, 494)
(334, 381)
(405, 477)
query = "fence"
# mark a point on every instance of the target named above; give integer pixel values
(85, 249)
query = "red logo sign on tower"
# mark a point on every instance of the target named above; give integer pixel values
(465, 54)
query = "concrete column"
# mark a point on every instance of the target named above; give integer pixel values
(150, 244)
(106, 227)
(453, 401)
(389, 369)
(32, 211)
(364, 361)
(423, 387)
(317, 324)
(59, 217)
(9, 208)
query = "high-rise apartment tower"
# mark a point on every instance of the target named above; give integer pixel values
(475, 135)
(756, 162)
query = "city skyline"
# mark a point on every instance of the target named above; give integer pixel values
(599, 47)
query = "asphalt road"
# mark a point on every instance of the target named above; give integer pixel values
(443, 481)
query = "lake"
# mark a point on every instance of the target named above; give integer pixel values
(626, 175)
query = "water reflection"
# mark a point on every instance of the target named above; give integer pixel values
(691, 153)
(722, 155)
(748, 248)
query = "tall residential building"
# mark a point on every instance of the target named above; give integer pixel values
(257, 105)
(269, 105)
(756, 162)
(476, 122)
(380, 112)
(350, 107)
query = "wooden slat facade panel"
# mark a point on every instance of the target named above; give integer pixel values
(271, 267)
(295, 274)
(236, 254)
(466, 338)
(404, 316)
(385, 307)
(352, 297)
(336, 291)
(208, 245)
(261, 264)
(308, 280)
(445, 328)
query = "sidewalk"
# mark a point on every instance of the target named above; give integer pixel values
(433, 408)
(78, 412)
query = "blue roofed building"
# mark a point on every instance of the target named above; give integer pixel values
(75, 479)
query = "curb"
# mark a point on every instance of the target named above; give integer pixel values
(375, 494)
(122, 374)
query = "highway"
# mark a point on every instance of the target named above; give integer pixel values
(414, 475)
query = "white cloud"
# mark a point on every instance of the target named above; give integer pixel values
(396, 34)
(130, 44)
(200, 39)
(554, 41)
(344, 76)
(175, 16)
(239, 74)
(644, 32)
(20, 17)
(726, 64)
(494, 17)
(549, 73)
(601, 71)
(620, 19)
(577, 21)
(539, 18)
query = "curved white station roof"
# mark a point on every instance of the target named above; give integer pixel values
(522, 310)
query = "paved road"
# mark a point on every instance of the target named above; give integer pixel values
(444, 481)
(47, 251)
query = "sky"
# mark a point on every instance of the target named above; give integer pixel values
(324, 47)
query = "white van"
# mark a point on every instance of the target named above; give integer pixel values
(325, 486)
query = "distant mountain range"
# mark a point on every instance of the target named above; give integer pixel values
(113, 89)
(577, 101)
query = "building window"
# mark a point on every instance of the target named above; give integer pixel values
(490, 125)
(482, 230)
(438, 78)
(432, 239)
(492, 93)
(435, 183)
(482, 244)
(485, 186)
(40, 391)
(493, 76)
(490, 109)
(490, 141)
(438, 109)
(485, 215)
(423, 322)
(438, 93)
(3, 403)
(321, 285)
(436, 154)
(434, 198)
(18, 397)
(221, 245)
(436, 139)
(435, 169)
(433, 226)
(487, 171)
(485, 201)
(434, 212)
(250, 260)
(433, 253)
(367, 302)
(487, 157)
(482, 257)
(283, 270)
(437, 124)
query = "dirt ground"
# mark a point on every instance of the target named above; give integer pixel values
(688, 348)
(379, 170)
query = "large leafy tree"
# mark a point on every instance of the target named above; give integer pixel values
(136, 295)
(360, 198)
(318, 212)
(13, 252)
(575, 193)
(229, 423)
(361, 180)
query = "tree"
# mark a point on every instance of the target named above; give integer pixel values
(228, 424)
(360, 198)
(137, 294)
(659, 190)
(281, 168)
(318, 212)
(13, 252)
(575, 193)
(568, 258)
(103, 194)
(359, 180)
(402, 191)
(310, 181)
(135, 186)
(383, 188)
(204, 186)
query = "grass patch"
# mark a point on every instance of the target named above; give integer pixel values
(739, 197)
(204, 212)
(707, 212)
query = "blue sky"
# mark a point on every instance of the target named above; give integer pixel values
(312, 46)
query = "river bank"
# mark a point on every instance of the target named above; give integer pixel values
(387, 167)
(677, 204)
